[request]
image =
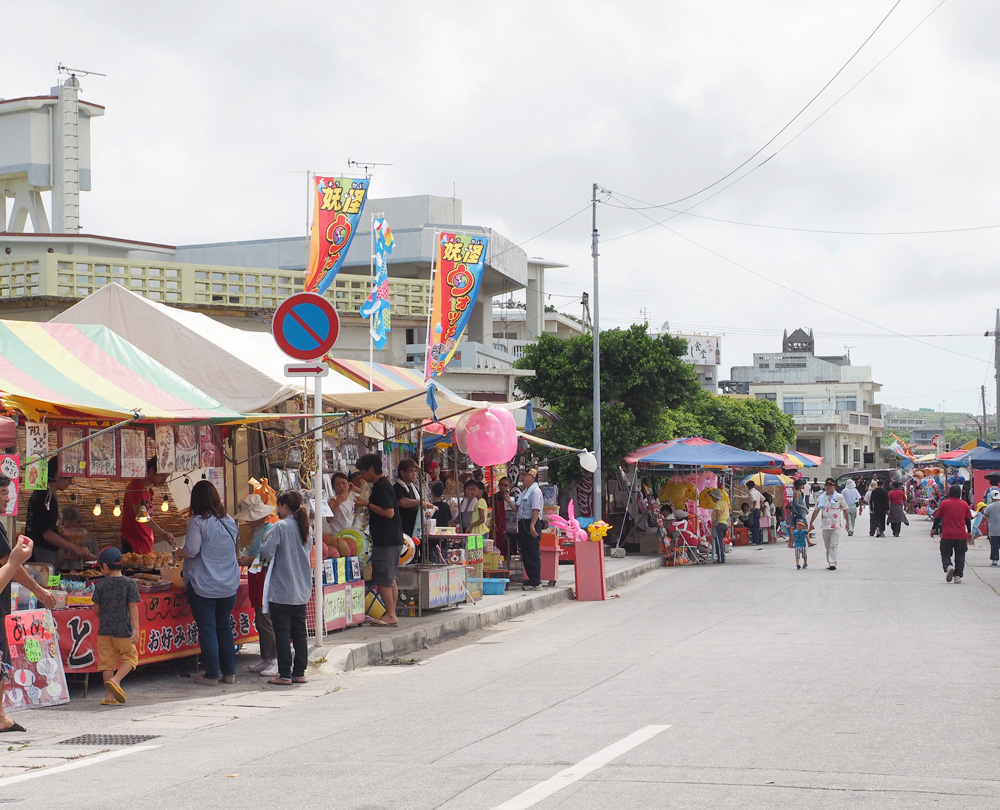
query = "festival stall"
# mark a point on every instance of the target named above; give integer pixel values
(690, 467)
(89, 398)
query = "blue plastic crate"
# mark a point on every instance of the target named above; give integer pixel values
(491, 586)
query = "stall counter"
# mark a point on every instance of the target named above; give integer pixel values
(167, 629)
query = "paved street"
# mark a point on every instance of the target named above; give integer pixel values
(870, 686)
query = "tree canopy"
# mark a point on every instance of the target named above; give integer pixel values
(648, 394)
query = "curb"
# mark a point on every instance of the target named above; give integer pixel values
(348, 657)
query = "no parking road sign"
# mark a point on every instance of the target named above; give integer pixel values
(305, 326)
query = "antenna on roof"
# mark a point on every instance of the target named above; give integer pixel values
(77, 72)
(367, 167)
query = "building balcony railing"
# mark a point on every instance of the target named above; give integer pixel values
(54, 275)
(844, 421)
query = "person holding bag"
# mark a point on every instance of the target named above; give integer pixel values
(287, 549)
(259, 517)
(212, 577)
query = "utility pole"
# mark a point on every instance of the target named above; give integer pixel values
(996, 367)
(598, 503)
(982, 396)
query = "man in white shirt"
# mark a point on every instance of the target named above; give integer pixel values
(833, 509)
(851, 498)
(529, 509)
(756, 503)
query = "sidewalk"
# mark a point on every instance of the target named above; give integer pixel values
(367, 645)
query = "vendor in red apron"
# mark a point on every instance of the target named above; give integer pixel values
(260, 518)
(137, 537)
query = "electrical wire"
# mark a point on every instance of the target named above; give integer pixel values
(794, 118)
(822, 231)
(781, 148)
(802, 294)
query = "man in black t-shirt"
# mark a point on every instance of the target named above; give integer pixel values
(407, 496)
(42, 521)
(386, 533)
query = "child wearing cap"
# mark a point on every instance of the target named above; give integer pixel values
(116, 604)
(800, 539)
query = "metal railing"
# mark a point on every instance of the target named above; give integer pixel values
(67, 276)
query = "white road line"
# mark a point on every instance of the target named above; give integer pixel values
(72, 766)
(574, 773)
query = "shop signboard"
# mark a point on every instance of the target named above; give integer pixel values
(456, 584)
(167, 629)
(36, 445)
(37, 678)
(702, 350)
(437, 587)
(10, 467)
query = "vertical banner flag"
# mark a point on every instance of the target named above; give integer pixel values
(460, 263)
(337, 206)
(377, 305)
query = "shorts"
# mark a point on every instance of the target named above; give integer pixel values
(385, 564)
(111, 650)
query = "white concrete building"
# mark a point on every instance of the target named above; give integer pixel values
(45, 146)
(832, 402)
(514, 328)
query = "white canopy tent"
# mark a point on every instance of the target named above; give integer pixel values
(243, 370)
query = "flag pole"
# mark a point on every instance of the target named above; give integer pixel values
(371, 337)
(430, 304)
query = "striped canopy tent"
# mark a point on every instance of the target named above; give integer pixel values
(89, 372)
(793, 458)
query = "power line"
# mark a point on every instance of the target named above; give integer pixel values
(819, 230)
(781, 148)
(800, 293)
(795, 117)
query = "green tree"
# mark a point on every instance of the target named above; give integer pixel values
(642, 377)
(751, 424)
(648, 394)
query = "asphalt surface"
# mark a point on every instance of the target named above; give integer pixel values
(749, 685)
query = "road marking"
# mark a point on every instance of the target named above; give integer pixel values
(72, 766)
(574, 773)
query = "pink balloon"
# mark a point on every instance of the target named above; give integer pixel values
(509, 426)
(484, 435)
(460, 436)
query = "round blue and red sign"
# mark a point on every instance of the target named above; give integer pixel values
(305, 326)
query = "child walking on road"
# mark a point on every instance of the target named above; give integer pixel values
(116, 604)
(800, 537)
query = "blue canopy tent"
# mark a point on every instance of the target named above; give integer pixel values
(695, 451)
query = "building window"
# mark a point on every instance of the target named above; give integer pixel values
(857, 456)
(846, 451)
(768, 397)
(793, 406)
(847, 403)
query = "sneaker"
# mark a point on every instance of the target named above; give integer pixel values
(798, 567)
(805, 565)
(260, 666)
(831, 568)
(949, 573)
(270, 671)
(957, 580)
(532, 587)
(993, 563)
(229, 679)
(850, 534)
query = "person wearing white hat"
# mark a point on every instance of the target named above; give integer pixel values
(255, 513)
(720, 524)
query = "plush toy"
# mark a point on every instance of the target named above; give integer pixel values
(571, 528)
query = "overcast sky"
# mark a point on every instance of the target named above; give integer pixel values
(522, 106)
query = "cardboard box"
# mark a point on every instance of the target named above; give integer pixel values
(649, 543)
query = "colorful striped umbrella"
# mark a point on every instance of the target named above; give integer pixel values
(79, 371)
(763, 479)
(793, 458)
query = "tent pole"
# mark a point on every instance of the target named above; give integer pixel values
(318, 511)
(628, 502)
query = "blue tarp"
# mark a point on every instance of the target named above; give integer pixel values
(698, 452)
(984, 458)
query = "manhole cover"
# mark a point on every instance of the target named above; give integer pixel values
(109, 739)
